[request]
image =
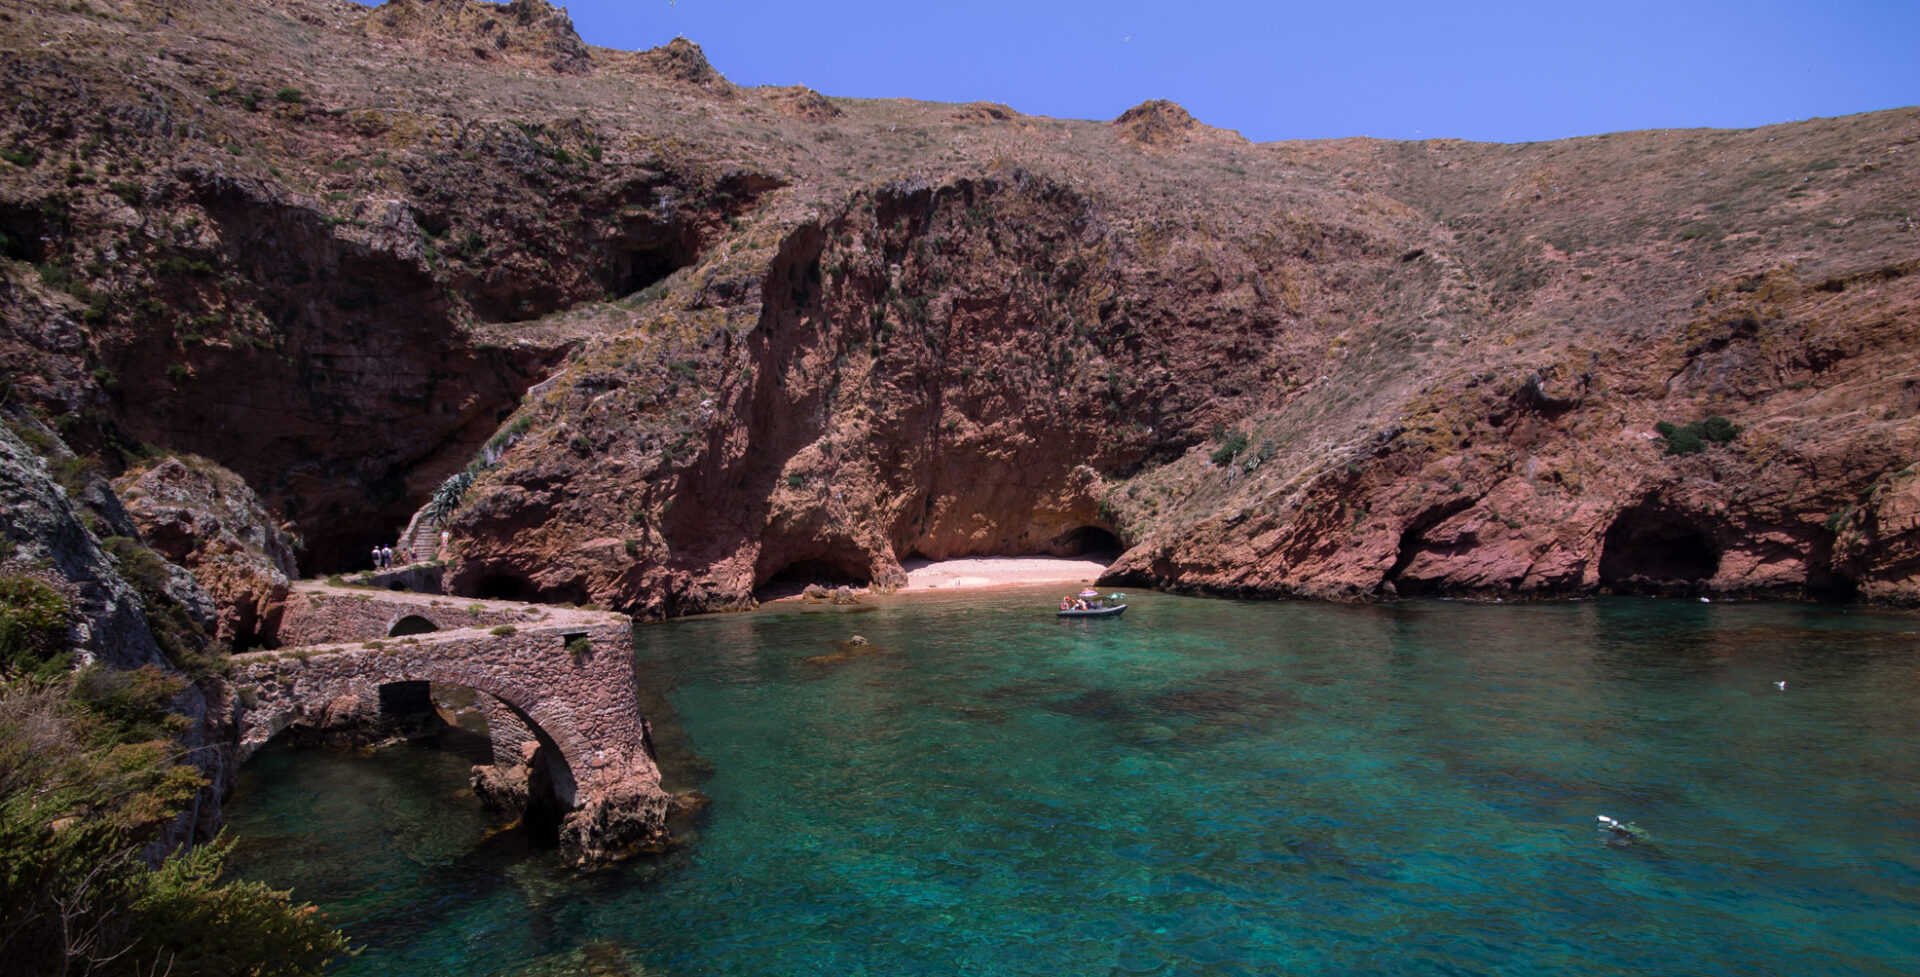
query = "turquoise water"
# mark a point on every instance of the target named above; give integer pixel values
(1201, 787)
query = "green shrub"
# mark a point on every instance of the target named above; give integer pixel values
(175, 266)
(34, 619)
(203, 925)
(79, 898)
(290, 95)
(136, 702)
(1694, 436)
(580, 647)
(25, 158)
(1233, 445)
(1719, 430)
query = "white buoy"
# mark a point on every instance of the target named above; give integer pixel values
(1705, 600)
(1782, 686)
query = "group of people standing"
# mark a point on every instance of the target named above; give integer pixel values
(383, 556)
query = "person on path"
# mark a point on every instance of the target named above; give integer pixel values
(446, 540)
(386, 553)
(376, 556)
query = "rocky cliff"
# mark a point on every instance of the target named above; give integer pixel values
(204, 518)
(130, 611)
(691, 338)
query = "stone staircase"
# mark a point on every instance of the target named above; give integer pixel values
(422, 536)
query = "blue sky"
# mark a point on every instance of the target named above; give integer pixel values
(1495, 71)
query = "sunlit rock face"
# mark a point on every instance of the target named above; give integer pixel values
(694, 338)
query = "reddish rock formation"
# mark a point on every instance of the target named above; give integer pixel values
(205, 518)
(1165, 125)
(530, 32)
(784, 342)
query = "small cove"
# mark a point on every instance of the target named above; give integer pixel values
(1202, 787)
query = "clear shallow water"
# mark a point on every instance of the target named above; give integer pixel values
(1201, 787)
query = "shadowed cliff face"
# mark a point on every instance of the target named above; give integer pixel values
(334, 312)
(777, 335)
(331, 373)
(934, 370)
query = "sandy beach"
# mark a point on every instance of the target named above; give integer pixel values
(999, 571)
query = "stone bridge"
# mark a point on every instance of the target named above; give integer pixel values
(556, 685)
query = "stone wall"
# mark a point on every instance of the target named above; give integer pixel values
(317, 616)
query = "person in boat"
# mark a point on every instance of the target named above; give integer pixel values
(1066, 603)
(1622, 833)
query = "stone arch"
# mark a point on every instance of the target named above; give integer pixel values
(359, 697)
(1653, 549)
(582, 736)
(406, 624)
(528, 777)
(549, 720)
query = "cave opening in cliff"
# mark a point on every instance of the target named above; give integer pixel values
(794, 578)
(1651, 549)
(506, 586)
(636, 271)
(503, 585)
(23, 232)
(1088, 541)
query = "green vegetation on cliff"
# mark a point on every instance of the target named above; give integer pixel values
(91, 772)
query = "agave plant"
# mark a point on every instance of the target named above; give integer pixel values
(448, 496)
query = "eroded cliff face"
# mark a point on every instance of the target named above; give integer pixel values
(695, 338)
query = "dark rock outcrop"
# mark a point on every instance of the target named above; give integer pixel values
(42, 528)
